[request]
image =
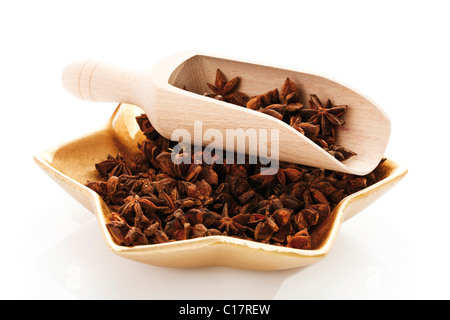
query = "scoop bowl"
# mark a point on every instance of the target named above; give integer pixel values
(159, 92)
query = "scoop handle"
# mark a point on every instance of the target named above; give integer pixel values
(101, 82)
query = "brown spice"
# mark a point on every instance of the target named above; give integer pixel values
(317, 122)
(154, 200)
(225, 90)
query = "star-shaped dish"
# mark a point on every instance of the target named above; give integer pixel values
(122, 134)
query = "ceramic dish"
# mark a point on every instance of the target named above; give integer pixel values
(71, 165)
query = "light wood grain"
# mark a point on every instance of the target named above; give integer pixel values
(159, 93)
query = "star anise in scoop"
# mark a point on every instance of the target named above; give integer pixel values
(226, 90)
(263, 100)
(326, 116)
(276, 103)
(275, 110)
(311, 131)
(290, 96)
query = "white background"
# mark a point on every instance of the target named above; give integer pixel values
(396, 52)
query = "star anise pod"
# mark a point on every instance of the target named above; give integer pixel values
(200, 190)
(113, 166)
(150, 151)
(316, 188)
(300, 240)
(129, 232)
(282, 216)
(282, 176)
(199, 230)
(283, 219)
(175, 201)
(265, 230)
(311, 131)
(276, 103)
(118, 229)
(145, 125)
(263, 100)
(134, 207)
(178, 226)
(225, 223)
(185, 167)
(290, 96)
(126, 234)
(99, 187)
(306, 218)
(275, 110)
(225, 90)
(115, 192)
(350, 183)
(326, 116)
(158, 237)
(269, 205)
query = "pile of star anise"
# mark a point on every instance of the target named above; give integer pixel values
(153, 199)
(318, 122)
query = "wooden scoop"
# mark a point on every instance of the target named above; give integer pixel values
(160, 94)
